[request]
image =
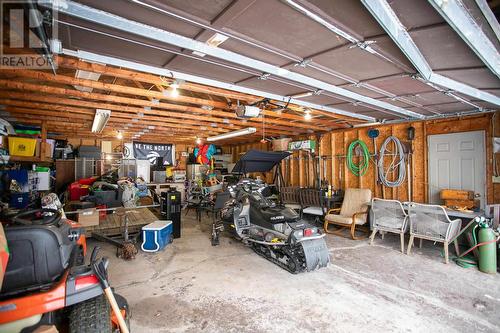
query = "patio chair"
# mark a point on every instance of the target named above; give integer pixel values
(354, 212)
(214, 205)
(312, 204)
(389, 216)
(290, 197)
(431, 222)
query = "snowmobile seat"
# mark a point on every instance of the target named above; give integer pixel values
(39, 255)
(275, 215)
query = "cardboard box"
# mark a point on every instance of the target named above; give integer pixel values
(88, 217)
(281, 144)
(4, 254)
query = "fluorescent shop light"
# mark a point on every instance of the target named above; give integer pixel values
(229, 135)
(100, 120)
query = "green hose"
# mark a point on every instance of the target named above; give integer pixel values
(361, 168)
(466, 261)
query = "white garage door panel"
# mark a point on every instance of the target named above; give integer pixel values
(457, 161)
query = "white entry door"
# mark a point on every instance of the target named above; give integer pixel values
(457, 161)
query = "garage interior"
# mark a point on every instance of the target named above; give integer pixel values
(353, 144)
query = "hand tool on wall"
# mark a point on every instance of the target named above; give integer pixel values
(411, 137)
(373, 134)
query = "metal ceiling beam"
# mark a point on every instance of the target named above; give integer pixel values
(103, 18)
(230, 12)
(388, 19)
(89, 56)
(490, 17)
(225, 65)
(235, 9)
(304, 7)
(459, 18)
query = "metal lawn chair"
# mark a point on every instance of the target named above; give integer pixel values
(431, 222)
(389, 216)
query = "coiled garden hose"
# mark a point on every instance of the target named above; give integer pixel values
(398, 162)
(360, 168)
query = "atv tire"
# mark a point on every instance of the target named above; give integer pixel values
(93, 315)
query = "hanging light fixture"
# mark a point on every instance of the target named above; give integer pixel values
(229, 135)
(100, 120)
(307, 115)
(263, 129)
(119, 136)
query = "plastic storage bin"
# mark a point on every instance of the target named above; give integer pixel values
(156, 235)
(21, 146)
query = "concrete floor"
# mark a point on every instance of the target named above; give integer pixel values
(194, 287)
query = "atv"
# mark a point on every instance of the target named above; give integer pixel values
(47, 281)
(273, 231)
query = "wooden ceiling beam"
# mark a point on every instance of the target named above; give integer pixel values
(72, 63)
(162, 84)
(127, 111)
(81, 114)
(213, 114)
(115, 116)
(42, 76)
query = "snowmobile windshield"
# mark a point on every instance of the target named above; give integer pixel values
(259, 161)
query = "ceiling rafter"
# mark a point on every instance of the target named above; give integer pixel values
(89, 56)
(126, 100)
(125, 111)
(66, 62)
(23, 99)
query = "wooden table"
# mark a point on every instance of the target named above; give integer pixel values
(138, 217)
(452, 212)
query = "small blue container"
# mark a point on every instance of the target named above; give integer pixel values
(156, 235)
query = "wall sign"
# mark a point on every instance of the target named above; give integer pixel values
(153, 151)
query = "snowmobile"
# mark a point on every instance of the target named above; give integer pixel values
(273, 231)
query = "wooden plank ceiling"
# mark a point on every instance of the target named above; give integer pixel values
(143, 102)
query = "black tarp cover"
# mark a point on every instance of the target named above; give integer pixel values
(259, 161)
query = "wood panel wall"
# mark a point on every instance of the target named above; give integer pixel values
(299, 170)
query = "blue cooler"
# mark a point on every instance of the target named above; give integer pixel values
(156, 235)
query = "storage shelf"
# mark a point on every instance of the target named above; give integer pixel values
(30, 159)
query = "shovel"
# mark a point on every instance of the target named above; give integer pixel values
(100, 268)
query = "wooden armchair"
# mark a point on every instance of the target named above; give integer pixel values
(312, 204)
(290, 197)
(354, 212)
